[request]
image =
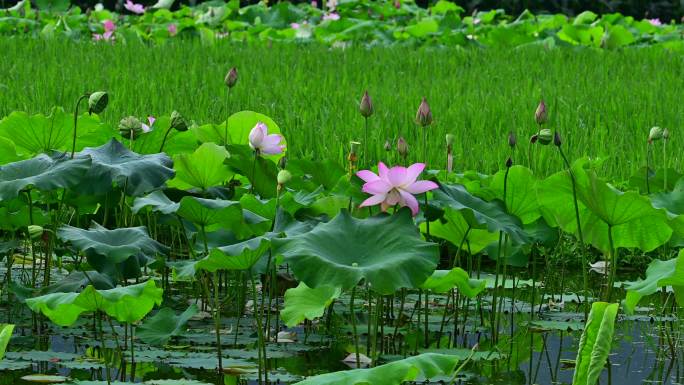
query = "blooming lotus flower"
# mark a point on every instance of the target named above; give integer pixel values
(108, 34)
(134, 7)
(263, 143)
(173, 29)
(655, 22)
(331, 16)
(147, 128)
(395, 185)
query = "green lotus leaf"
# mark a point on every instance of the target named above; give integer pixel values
(43, 173)
(303, 302)
(309, 175)
(672, 201)
(176, 142)
(77, 280)
(116, 245)
(239, 126)
(441, 281)
(8, 152)
(260, 171)
(658, 274)
(202, 169)
(453, 227)
(5, 335)
(425, 365)
(521, 199)
(158, 329)
(239, 256)
(595, 343)
(157, 201)
(479, 213)
(630, 216)
(387, 251)
(656, 181)
(15, 214)
(207, 212)
(61, 308)
(114, 163)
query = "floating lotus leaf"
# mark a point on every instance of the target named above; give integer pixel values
(659, 274)
(158, 329)
(442, 281)
(303, 302)
(479, 213)
(202, 169)
(43, 173)
(595, 343)
(387, 251)
(426, 366)
(116, 245)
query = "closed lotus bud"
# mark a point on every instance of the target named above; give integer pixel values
(231, 78)
(284, 176)
(282, 162)
(512, 140)
(130, 127)
(509, 162)
(666, 134)
(402, 147)
(545, 136)
(656, 133)
(97, 102)
(366, 106)
(178, 123)
(540, 115)
(450, 138)
(35, 231)
(388, 146)
(424, 115)
(534, 138)
(557, 139)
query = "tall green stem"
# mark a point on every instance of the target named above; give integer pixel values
(260, 332)
(166, 135)
(352, 314)
(78, 102)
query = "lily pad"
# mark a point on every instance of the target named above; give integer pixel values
(43, 173)
(304, 302)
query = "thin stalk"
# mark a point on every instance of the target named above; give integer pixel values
(166, 135)
(353, 321)
(648, 152)
(366, 158)
(664, 164)
(73, 144)
(260, 334)
(613, 265)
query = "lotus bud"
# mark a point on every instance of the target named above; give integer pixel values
(512, 140)
(557, 139)
(666, 134)
(388, 146)
(284, 176)
(130, 127)
(545, 136)
(282, 162)
(540, 115)
(178, 123)
(534, 138)
(231, 78)
(366, 106)
(402, 147)
(424, 115)
(656, 133)
(450, 139)
(35, 231)
(509, 162)
(97, 102)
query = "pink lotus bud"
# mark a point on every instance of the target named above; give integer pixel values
(424, 115)
(231, 78)
(366, 106)
(540, 115)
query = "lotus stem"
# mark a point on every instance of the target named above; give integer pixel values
(648, 151)
(260, 332)
(353, 321)
(166, 135)
(612, 267)
(366, 157)
(665, 164)
(225, 136)
(398, 317)
(78, 102)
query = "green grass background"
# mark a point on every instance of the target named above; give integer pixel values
(602, 102)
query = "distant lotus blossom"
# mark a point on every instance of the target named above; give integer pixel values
(134, 7)
(173, 29)
(108, 34)
(263, 143)
(295, 25)
(331, 4)
(331, 16)
(314, 4)
(393, 186)
(655, 22)
(147, 128)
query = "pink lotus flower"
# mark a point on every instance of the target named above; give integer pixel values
(393, 186)
(314, 4)
(295, 25)
(655, 22)
(147, 128)
(173, 29)
(108, 34)
(331, 16)
(263, 143)
(134, 7)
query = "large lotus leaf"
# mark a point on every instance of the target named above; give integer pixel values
(165, 324)
(442, 281)
(202, 169)
(43, 173)
(672, 201)
(157, 201)
(177, 142)
(303, 302)
(239, 256)
(453, 227)
(8, 152)
(656, 181)
(239, 126)
(479, 213)
(61, 308)
(309, 174)
(116, 245)
(387, 251)
(260, 171)
(15, 214)
(635, 223)
(77, 280)
(33, 134)
(659, 274)
(426, 365)
(5, 335)
(521, 199)
(595, 343)
(114, 163)
(212, 213)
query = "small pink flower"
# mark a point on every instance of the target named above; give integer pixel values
(109, 25)
(314, 4)
(331, 16)
(395, 186)
(263, 143)
(655, 22)
(295, 25)
(147, 128)
(173, 29)
(108, 34)
(134, 7)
